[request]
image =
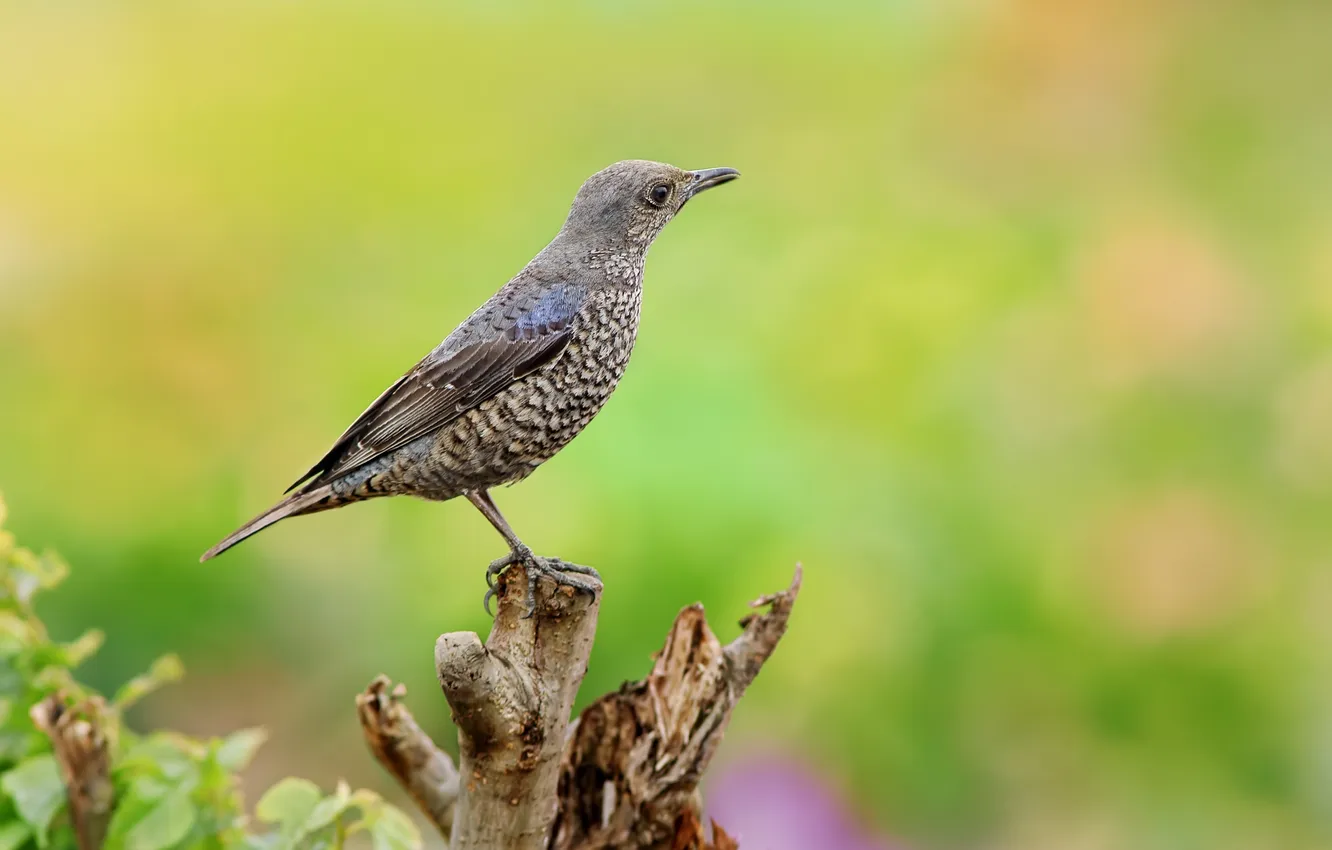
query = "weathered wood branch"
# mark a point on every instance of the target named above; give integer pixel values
(511, 699)
(631, 773)
(407, 753)
(623, 775)
(78, 737)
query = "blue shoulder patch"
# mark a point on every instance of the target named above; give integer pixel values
(557, 305)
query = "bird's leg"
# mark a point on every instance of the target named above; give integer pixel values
(518, 550)
(520, 553)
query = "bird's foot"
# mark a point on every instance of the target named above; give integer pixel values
(562, 572)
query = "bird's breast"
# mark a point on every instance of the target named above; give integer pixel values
(508, 436)
(584, 376)
(557, 401)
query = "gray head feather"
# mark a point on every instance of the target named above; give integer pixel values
(627, 204)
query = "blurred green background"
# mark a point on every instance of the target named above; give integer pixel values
(1015, 333)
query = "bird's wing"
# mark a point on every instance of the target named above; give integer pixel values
(521, 339)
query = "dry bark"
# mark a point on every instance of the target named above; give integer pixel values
(624, 774)
(407, 753)
(79, 740)
(511, 699)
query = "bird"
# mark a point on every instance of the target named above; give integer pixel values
(518, 379)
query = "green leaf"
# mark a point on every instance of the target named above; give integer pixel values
(37, 791)
(129, 810)
(14, 746)
(135, 803)
(164, 671)
(162, 755)
(33, 573)
(60, 657)
(366, 800)
(258, 842)
(165, 824)
(12, 683)
(389, 828)
(16, 632)
(238, 748)
(328, 810)
(13, 834)
(289, 803)
(82, 648)
(150, 789)
(393, 830)
(303, 817)
(215, 781)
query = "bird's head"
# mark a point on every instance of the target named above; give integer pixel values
(627, 204)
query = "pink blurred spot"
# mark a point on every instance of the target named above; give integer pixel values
(775, 804)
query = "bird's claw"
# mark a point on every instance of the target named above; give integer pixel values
(562, 572)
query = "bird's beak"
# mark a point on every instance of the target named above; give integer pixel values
(707, 178)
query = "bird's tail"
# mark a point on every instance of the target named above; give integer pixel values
(307, 502)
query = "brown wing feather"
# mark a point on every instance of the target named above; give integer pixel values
(435, 392)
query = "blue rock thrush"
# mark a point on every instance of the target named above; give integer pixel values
(516, 381)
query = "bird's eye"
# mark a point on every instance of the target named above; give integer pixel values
(659, 194)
